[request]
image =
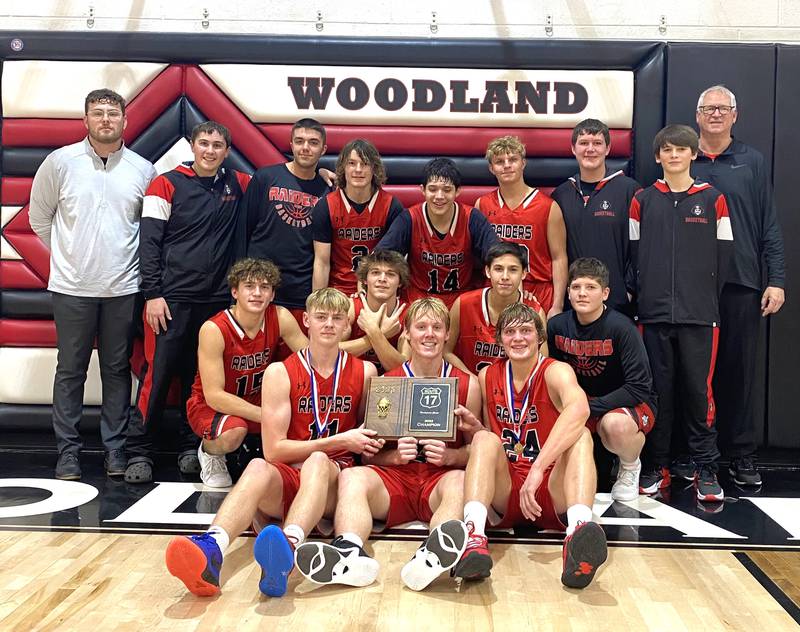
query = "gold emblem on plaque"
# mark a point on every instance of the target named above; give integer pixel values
(383, 407)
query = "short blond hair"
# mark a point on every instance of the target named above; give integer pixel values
(327, 299)
(505, 145)
(430, 305)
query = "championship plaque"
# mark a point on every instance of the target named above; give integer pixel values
(420, 407)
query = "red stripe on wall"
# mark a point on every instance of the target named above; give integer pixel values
(27, 333)
(17, 275)
(42, 132)
(15, 191)
(449, 141)
(151, 102)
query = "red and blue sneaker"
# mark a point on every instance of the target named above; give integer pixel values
(275, 554)
(196, 560)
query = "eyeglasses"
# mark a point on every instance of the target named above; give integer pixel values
(708, 110)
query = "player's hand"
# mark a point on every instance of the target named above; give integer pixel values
(361, 441)
(772, 300)
(527, 494)
(369, 321)
(406, 450)
(329, 177)
(554, 311)
(435, 451)
(156, 313)
(468, 423)
(390, 325)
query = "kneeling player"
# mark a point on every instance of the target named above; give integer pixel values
(308, 429)
(608, 356)
(536, 464)
(417, 480)
(235, 346)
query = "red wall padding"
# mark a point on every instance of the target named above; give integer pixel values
(27, 333)
(15, 191)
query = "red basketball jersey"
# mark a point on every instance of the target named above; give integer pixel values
(476, 345)
(244, 359)
(539, 419)
(450, 371)
(525, 225)
(354, 235)
(344, 409)
(440, 266)
(357, 332)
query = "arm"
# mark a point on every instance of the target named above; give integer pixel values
(322, 235)
(544, 349)
(44, 200)
(156, 211)
(724, 241)
(322, 265)
(210, 351)
(291, 333)
(634, 230)
(398, 236)
(452, 340)
(557, 244)
(771, 246)
(483, 235)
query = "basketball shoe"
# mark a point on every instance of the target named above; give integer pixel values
(340, 562)
(476, 562)
(583, 553)
(274, 553)
(440, 552)
(195, 560)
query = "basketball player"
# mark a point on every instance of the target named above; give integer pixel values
(536, 465)
(235, 347)
(416, 480)
(376, 315)
(526, 216)
(308, 428)
(472, 344)
(607, 354)
(349, 222)
(441, 237)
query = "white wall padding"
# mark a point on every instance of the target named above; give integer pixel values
(27, 376)
(57, 89)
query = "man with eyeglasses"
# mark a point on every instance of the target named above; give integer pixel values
(86, 203)
(739, 172)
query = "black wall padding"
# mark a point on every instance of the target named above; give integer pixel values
(161, 134)
(784, 327)
(33, 304)
(474, 171)
(235, 160)
(648, 115)
(30, 418)
(24, 161)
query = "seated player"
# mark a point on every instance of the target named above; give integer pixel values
(308, 429)
(606, 352)
(416, 480)
(235, 346)
(376, 314)
(526, 216)
(472, 344)
(536, 464)
(441, 237)
(349, 222)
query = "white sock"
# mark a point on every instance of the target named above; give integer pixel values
(475, 513)
(294, 534)
(629, 466)
(352, 537)
(577, 514)
(220, 536)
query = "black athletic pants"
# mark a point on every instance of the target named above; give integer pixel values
(682, 355)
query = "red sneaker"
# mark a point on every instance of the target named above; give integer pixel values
(475, 563)
(584, 551)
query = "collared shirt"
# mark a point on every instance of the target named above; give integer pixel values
(88, 213)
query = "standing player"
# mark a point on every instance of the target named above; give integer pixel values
(681, 243)
(235, 347)
(417, 480)
(536, 464)
(308, 428)
(277, 214)
(349, 222)
(441, 237)
(376, 315)
(473, 344)
(188, 243)
(528, 217)
(595, 204)
(607, 354)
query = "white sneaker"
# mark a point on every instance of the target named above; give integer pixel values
(439, 553)
(213, 470)
(626, 487)
(340, 562)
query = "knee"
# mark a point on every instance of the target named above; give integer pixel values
(258, 472)
(352, 480)
(315, 465)
(485, 441)
(615, 428)
(453, 482)
(229, 440)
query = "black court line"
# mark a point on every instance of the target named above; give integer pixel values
(770, 586)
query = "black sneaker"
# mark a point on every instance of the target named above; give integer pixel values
(743, 471)
(115, 462)
(707, 485)
(683, 467)
(583, 553)
(68, 468)
(654, 479)
(340, 562)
